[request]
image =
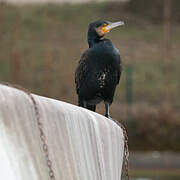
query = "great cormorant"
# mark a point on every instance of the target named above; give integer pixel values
(99, 68)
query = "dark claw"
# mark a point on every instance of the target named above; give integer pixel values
(108, 116)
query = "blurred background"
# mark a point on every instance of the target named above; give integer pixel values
(40, 46)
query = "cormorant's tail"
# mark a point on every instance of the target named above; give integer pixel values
(84, 104)
(80, 103)
(91, 107)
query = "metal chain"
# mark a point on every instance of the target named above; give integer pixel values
(126, 150)
(40, 127)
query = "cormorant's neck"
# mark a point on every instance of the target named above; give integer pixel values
(93, 37)
(93, 41)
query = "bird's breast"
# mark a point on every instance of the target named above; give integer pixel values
(105, 77)
(106, 53)
(101, 79)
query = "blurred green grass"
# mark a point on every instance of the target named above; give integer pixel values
(47, 41)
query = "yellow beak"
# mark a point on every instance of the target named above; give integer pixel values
(109, 27)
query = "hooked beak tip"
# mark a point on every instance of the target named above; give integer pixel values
(113, 25)
(116, 24)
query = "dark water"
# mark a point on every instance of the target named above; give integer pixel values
(156, 178)
(160, 178)
(154, 165)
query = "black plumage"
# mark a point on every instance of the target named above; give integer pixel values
(99, 69)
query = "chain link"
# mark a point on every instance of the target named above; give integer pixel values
(126, 150)
(40, 127)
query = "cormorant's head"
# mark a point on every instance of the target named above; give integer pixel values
(99, 28)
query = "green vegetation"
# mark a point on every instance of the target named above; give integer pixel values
(41, 45)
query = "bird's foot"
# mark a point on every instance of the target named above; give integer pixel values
(108, 116)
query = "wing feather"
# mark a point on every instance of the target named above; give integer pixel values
(82, 70)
